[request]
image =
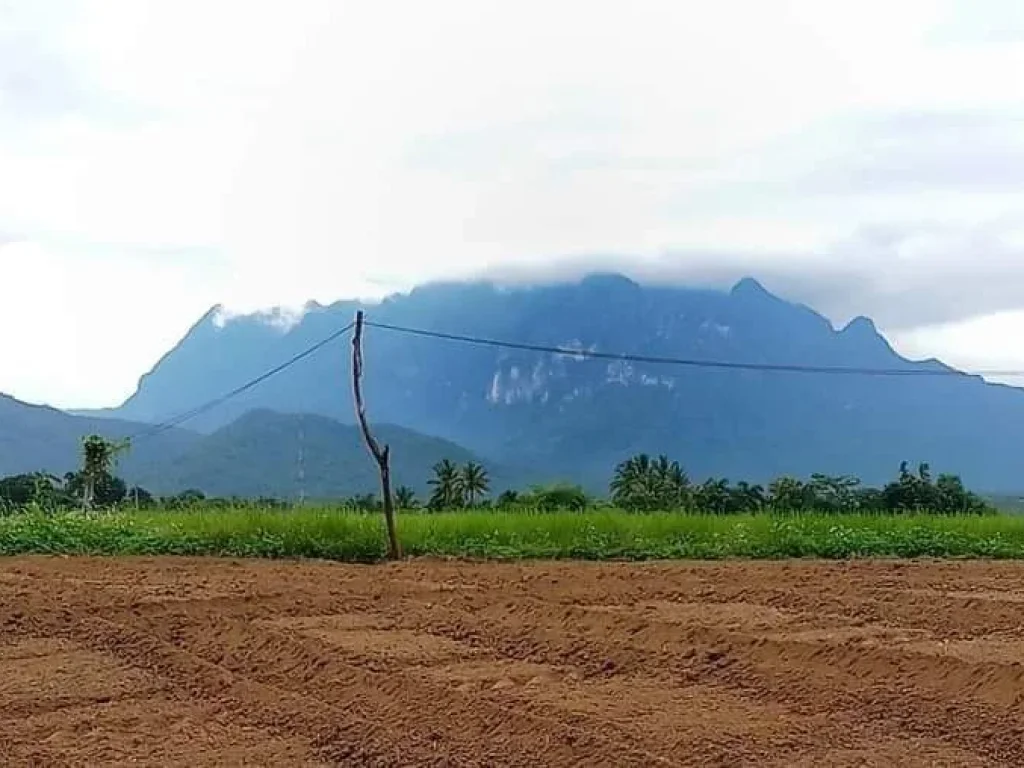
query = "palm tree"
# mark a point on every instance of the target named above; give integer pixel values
(474, 481)
(747, 497)
(643, 483)
(627, 486)
(98, 458)
(672, 484)
(447, 485)
(787, 494)
(405, 497)
(713, 496)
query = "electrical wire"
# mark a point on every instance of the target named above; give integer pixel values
(696, 363)
(181, 418)
(555, 350)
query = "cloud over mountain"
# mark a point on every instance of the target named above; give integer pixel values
(163, 157)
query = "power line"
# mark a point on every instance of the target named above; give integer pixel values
(183, 417)
(556, 350)
(696, 363)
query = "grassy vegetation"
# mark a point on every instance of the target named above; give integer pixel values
(325, 533)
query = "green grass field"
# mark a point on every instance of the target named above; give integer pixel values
(593, 535)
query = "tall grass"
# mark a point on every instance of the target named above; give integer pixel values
(335, 535)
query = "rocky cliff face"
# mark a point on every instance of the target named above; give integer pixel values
(576, 416)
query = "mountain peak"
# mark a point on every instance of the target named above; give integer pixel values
(574, 419)
(748, 286)
(861, 326)
(213, 316)
(862, 333)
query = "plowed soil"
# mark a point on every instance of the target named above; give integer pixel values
(217, 663)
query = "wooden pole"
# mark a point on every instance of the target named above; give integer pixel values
(381, 455)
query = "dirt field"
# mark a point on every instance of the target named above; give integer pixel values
(215, 663)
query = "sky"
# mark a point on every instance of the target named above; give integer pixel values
(158, 157)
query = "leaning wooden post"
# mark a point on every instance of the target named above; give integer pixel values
(381, 455)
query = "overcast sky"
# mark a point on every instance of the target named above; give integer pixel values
(161, 156)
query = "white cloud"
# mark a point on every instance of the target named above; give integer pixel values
(164, 156)
(978, 344)
(80, 327)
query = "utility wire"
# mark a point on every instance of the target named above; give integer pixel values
(684, 361)
(183, 417)
(591, 354)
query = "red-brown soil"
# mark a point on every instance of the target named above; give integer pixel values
(218, 663)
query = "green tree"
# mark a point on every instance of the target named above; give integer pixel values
(405, 498)
(787, 494)
(629, 483)
(640, 483)
(98, 458)
(671, 483)
(39, 488)
(833, 493)
(911, 492)
(19, 490)
(714, 497)
(953, 498)
(549, 498)
(110, 490)
(748, 498)
(870, 500)
(474, 482)
(106, 490)
(49, 490)
(447, 484)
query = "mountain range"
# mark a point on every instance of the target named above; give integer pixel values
(543, 416)
(262, 453)
(36, 438)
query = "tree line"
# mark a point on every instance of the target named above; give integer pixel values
(641, 483)
(644, 483)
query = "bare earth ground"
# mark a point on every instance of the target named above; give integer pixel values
(216, 662)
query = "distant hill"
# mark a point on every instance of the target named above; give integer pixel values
(565, 415)
(256, 455)
(38, 438)
(259, 455)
